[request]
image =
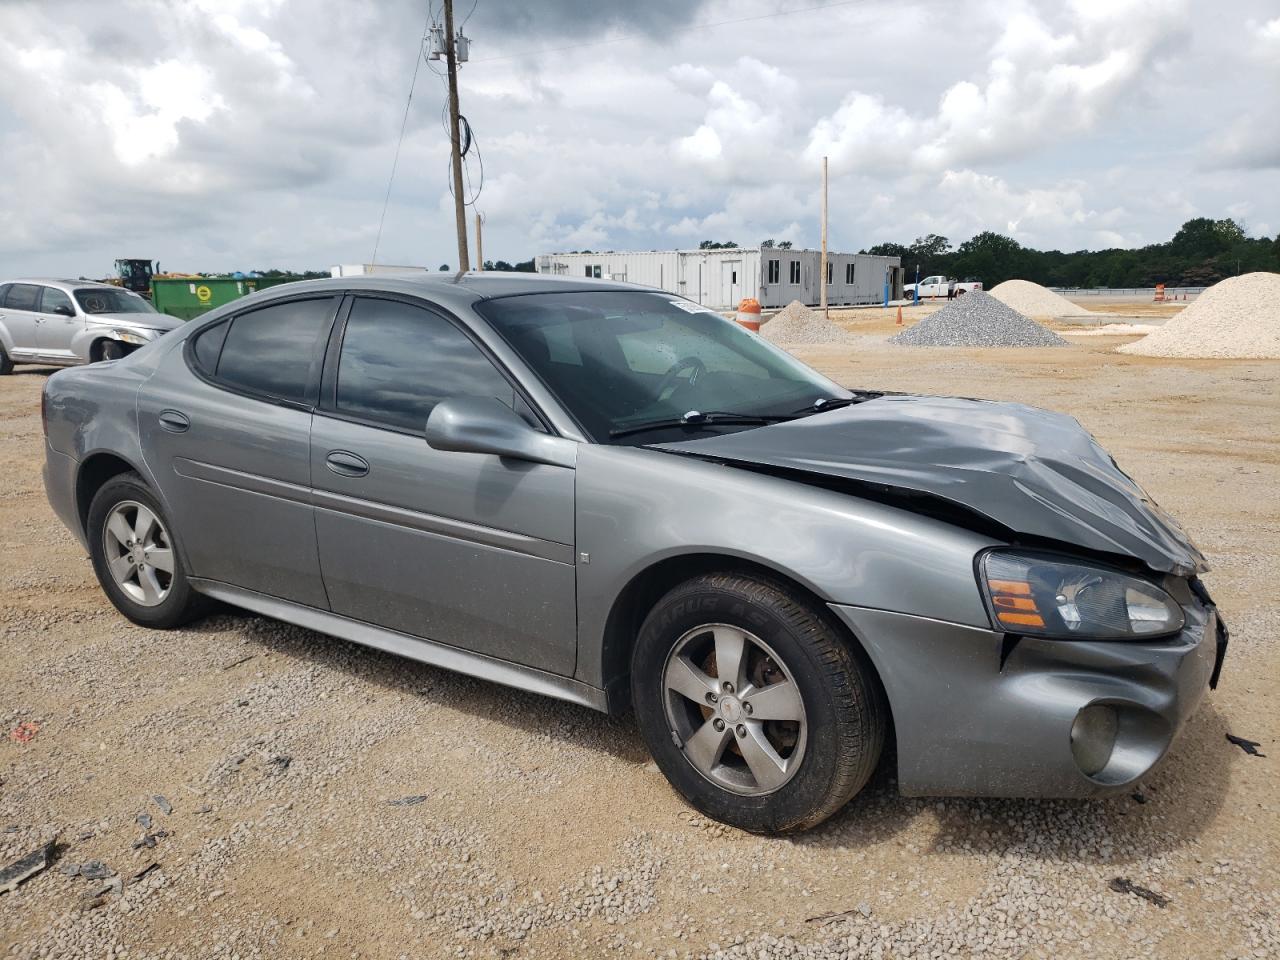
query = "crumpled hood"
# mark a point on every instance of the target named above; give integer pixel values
(136, 321)
(1037, 473)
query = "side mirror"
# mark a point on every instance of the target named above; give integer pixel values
(63, 310)
(487, 425)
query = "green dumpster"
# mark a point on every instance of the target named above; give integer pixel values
(188, 297)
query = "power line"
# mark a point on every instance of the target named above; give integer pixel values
(404, 122)
(695, 26)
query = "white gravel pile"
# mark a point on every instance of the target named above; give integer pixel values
(1237, 318)
(977, 320)
(796, 323)
(1034, 300)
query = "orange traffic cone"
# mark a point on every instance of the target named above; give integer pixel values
(898, 322)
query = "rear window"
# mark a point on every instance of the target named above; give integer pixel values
(22, 296)
(275, 351)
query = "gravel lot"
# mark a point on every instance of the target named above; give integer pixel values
(328, 800)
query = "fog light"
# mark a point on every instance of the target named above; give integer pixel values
(1093, 737)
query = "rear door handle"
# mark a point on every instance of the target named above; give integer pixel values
(174, 422)
(346, 464)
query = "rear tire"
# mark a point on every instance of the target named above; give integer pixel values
(135, 557)
(717, 645)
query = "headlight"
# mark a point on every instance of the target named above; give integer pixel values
(1048, 597)
(137, 337)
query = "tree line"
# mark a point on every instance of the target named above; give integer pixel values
(1202, 252)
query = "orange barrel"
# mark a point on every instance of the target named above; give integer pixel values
(1159, 292)
(749, 314)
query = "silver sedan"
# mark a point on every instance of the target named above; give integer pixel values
(67, 322)
(611, 495)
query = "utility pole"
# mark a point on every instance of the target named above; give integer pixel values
(479, 242)
(459, 202)
(822, 279)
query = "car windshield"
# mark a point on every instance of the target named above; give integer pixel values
(619, 360)
(111, 300)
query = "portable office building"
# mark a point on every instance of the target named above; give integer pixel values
(720, 279)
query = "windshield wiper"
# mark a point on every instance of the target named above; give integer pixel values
(697, 418)
(823, 404)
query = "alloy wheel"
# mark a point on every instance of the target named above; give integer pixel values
(734, 709)
(139, 553)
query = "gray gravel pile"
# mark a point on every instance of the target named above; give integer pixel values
(796, 323)
(978, 320)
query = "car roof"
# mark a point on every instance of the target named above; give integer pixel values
(63, 283)
(453, 288)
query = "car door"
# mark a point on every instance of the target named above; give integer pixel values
(225, 426)
(59, 323)
(19, 315)
(466, 549)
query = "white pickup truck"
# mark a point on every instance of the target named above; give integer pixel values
(940, 286)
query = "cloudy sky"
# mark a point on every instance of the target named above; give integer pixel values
(238, 134)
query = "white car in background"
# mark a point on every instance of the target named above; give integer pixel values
(68, 322)
(940, 286)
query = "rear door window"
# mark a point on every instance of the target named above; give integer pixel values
(53, 298)
(275, 351)
(398, 361)
(22, 296)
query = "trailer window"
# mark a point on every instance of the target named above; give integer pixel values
(848, 272)
(795, 271)
(774, 273)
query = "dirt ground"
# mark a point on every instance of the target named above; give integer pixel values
(328, 800)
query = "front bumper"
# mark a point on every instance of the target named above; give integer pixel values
(977, 714)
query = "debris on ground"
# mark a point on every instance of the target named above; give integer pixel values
(1124, 885)
(26, 867)
(24, 732)
(863, 910)
(1237, 318)
(279, 763)
(95, 870)
(1139, 797)
(149, 840)
(796, 323)
(977, 320)
(1248, 746)
(236, 663)
(143, 820)
(412, 801)
(165, 806)
(1033, 300)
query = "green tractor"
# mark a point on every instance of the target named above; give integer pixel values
(135, 275)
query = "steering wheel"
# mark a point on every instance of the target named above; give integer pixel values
(669, 378)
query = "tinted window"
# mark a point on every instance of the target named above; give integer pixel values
(272, 350)
(207, 346)
(53, 299)
(22, 296)
(398, 361)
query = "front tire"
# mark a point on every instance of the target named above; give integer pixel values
(135, 557)
(6, 363)
(756, 708)
(112, 350)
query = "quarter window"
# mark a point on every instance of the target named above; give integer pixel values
(22, 296)
(274, 351)
(795, 271)
(54, 298)
(398, 361)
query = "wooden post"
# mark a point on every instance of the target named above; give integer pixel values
(459, 202)
(822, 277)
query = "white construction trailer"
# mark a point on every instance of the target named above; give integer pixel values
(721, 279)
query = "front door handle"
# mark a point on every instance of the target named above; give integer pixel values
(174, 422)
(346, 464)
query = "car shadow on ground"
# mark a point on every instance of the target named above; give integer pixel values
(1166, 810)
